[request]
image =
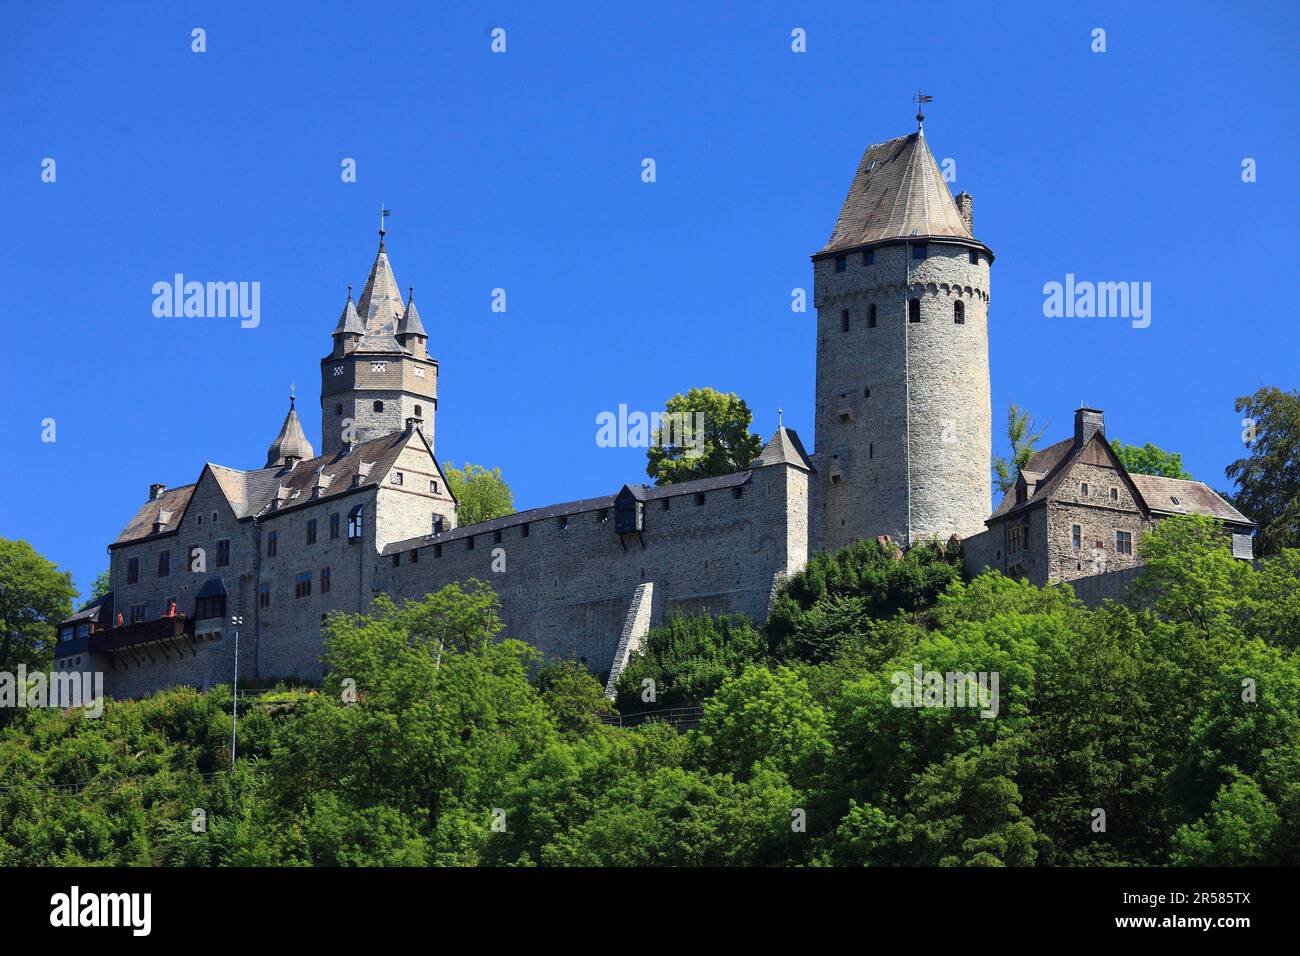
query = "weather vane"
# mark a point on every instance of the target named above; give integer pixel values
(921, 99)
(383, 214)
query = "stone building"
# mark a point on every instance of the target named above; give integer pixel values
(1075, 512)
(904, 440)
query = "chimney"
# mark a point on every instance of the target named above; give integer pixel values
(415, 424)
(156, 492)
(964, 207)
(1088, 422)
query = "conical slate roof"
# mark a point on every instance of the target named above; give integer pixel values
(290, 443)
(380, 307)
(410, 323)
(897, 193)
(783, 448)
(349, 322)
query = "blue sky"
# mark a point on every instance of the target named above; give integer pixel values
(522, 171)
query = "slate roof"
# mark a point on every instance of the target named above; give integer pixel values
(350, 321)
(581, 506)
(1043, 463)
(171, 502)
(252, 493)
(291, 442)
(380, 307)
(411, 324)
(897, 193)
(783, 448)
(1194, 498)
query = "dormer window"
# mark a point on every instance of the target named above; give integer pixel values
(1174, 500)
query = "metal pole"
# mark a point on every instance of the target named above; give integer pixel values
(234, 703)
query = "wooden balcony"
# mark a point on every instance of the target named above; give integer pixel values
(140, 633)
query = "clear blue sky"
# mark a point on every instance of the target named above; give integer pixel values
(522, 171)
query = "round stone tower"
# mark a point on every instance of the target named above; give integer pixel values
(903, 427)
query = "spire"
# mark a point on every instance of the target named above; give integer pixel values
(380, 306)
(349, 321)
(291, 445)
(897, 193)
(410, 323)
(783, 448)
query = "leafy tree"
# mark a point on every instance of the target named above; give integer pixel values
(481, 495)
(1149, 460)
(1189, 573)
(1238, 830)
(1268, 479)
(725, 447)
(34, 597)
(102, 584)
(1023, 440)
(688, 658)
(575, 699)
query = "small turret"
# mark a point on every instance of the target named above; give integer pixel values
(291, 445)
(349, 330)
(410, 330)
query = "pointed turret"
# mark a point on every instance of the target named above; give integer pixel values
(410, 330)
(897, 193)
(349, 330)
(380, 306)
(291, 445)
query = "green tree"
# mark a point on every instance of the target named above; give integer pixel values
(688, 658)
(1023, 440)
(725, 446)
(575, 699)
(34, 597)
(1238, 830)
(1268, 479)
(102, 584)
(1149, 460)
(481, 495)
(1189, 574)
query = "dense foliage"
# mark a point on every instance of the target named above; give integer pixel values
(1169, 735)
(481, 494)
(34, 597)
(684, 452)
(1268, 477)
(1149, 459)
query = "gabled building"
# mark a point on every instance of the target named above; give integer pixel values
(1075, 511)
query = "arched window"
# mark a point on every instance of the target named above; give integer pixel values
(844, 321)
(871, 316)
(419, 412)
(379, 406)
(914, 310)
(959, 312)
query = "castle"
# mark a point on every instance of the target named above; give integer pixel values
(903, 430)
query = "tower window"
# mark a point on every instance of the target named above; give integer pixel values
(419, 412)
(379, 406)
(871, 316)
(919, 251)
(379, 366)
(869, 258)
(871, 449)
(974, 257)
(914, 310)
(841, 263)
(338, 408)
(959, 312)
(844, 321)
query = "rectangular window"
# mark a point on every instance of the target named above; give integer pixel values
(496, 537)
(223, 553)
(868, 258)
(1017, 539)
(208, 608)
(844, 321)
(469, 543)
(919, 251)
(415, 555)
(564, 522)
(133, 571)
(974, 257)
(334, 526)
(1076, 537)
(699, 497)
(397, 559)
(841, 263)
(1123, 542)
(437, 551)
(272, 543)
(355, 522)
(164, 563)
(302, 584)
(523, 530)
(433, 487)
(83, 630)
(437, 524)
(264, 595)
(397, 477)
(1083, 490)
(871, 316)
(1114, 494)
(324, 580)
(311, 531)
(137, 613)
(914, 310)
